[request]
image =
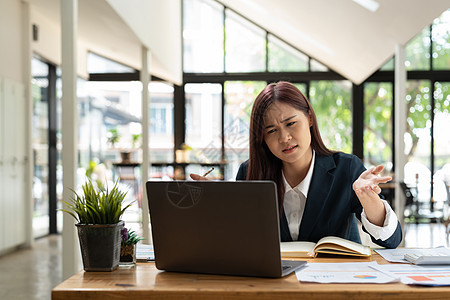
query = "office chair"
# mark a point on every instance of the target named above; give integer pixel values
(411, 205)
(413, 211)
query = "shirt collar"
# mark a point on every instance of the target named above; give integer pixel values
(304, 185)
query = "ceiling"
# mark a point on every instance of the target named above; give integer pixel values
(341, 34)
(117, 30)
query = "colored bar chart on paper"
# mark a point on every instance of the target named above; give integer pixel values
(418, 275)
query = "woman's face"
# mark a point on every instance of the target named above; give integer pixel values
(286, 132)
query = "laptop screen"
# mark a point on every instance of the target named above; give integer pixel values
(217, 227)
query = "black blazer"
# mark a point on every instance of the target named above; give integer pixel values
(331, 201)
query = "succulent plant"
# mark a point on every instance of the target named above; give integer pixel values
(97, 204)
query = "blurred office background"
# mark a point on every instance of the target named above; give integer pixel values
(209, 60)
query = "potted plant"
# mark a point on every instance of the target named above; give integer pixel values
(128, 246)
(135, 139)
(113, 136)
(98, 211)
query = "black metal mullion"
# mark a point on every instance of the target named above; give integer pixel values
(431, 48)
(267, 53)
(432, 125)
(134, 76)
(260, 76)
(179, 117)
(52, 149)
(223, 125)
(358, 120)
(393, 126)
(432, 147)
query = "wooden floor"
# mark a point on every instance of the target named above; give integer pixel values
(32, 273)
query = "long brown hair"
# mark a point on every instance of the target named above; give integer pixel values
(263, 165)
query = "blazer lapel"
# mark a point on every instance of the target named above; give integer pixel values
(285, 233)
(318, 194)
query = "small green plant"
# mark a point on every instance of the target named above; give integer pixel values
(113, 136)
(129, 237)
(91, 168)
(97, 205)
(134, 139)
(185, 146)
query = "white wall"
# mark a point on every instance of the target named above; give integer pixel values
(48, 45)
(12, 139)
(13, 128)
(11, 39)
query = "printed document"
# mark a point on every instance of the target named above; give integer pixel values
(418, 275)
(144, 253)
(361, 272)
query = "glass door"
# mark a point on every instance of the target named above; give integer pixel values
(40, 84)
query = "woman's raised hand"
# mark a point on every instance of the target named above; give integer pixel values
(369, 180)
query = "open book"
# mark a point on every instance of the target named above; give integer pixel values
(328, 244)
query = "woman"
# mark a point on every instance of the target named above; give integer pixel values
(319, 190)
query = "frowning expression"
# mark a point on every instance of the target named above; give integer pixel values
(287, 132)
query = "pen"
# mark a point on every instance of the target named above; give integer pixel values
(209, 171)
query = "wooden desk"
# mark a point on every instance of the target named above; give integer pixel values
(144, 281)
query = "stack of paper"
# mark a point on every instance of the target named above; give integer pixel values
(144, 253)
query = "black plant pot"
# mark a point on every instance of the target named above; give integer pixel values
(100, 246)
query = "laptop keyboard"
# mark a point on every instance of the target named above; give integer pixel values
(285, 267)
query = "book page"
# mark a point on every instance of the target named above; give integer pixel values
(341, 246)
(296, 249)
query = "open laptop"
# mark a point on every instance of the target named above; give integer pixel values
(217, 227)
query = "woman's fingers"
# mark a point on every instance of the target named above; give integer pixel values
(383, 179)
(369, 180)
(376, 189)
(197, 177)
(377, 170)
(364, 193)
(366, 172)
(369, 188)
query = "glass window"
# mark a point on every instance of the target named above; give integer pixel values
(161, 122)
(239, 98)
(317, 66)
(441, 42)
(203, 123)
(332, 103)
(389, 65)
(378, 125)
(110, 113)
(203, 36)
(100, 64)
(284, 58)
(441, 177)
(245, 45)
(418, 52)
(110, 129)
(40, 142)
(418, 138)
(302, 88)
(59, 171)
